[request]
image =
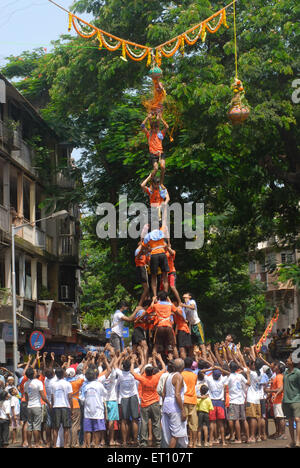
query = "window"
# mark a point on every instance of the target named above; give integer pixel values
(252, 267)
(28, 290)
(13, 186)
(287, 257)
(271, 260)
(2, 272)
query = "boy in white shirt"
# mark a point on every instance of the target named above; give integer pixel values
(237, 383)
(94, 412)
(62, 403)
(4, 418)
(15, 412)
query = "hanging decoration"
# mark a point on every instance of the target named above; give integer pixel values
(138, 52)
(238, 111)
(267, 330)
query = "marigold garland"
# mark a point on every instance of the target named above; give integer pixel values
(138, 52)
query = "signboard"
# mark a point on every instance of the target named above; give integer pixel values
(125, 332)
(37, 340)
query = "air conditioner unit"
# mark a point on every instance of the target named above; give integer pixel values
(64, 292)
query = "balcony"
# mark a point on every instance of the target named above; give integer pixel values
(64, 181)
(24, 155)
(5, 136)
(67, 245)
(4, 219)
(37, 237)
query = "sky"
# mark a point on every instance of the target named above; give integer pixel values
(28, 24)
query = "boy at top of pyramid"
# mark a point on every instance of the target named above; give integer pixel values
(155, 137)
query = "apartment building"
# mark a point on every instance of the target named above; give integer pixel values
(46, 251)
(282, 295)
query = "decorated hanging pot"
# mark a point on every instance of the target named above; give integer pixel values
(155, 72)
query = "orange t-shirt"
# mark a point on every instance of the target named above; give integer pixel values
(76, 385)
(140, 260)
(163, 312)
(276, 384)
(180, 321)
(171, 259)
(190, 379)
(155, 143)
(155, 196)
(147, 388)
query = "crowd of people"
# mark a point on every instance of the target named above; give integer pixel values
(150, 395)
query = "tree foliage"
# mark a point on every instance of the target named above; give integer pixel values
(247, 176)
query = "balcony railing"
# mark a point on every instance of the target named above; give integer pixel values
(66, 245)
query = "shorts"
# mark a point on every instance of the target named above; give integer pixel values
(197, 332)
(93, 425)
(291, 410)
(184, 339)
(112, 410)
(218, 412)
(35, 416)
(61, 416)
(138, 335)
(191, 415)
(23, 411)
(203, 419)
(164, 338)
(142, 275)
(278, 411)
(171, 281)
(130, 407)
(154, 158)
(159, 261)
(236, 412)
(253, 410)
(116, 342)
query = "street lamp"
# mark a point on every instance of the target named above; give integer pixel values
(14, 229)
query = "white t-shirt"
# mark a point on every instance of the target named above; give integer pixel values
(15, 403)
(60, 389)
(33, 388)
(4, 409)
(236, 388)
(254, 390)
(191, 315)
(215, 387)
(126, 383)
(94, 395)
(48, 383)
(118, 323)
(110, 385)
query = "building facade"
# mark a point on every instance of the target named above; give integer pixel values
(46, 251)
(282, 295)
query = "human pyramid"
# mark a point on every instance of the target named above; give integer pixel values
(159, 324)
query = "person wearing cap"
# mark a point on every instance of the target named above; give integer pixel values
(76, 382)
(216, 390)
(118, 319)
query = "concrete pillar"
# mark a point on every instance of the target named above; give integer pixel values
(45, 275)
(34, 279)
(6, 185)
(20, 196)
(7, 260)
(32, 202)
(22, 274)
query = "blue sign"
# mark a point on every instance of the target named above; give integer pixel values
(37, 340)
(125, 332)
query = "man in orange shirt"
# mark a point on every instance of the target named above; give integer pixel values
(182, 332)
(190, 400)
(150, 407)
(155, 137)
(277, 390)
(155, 242)
(141, 261)
(76, 383)
(164, 337)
